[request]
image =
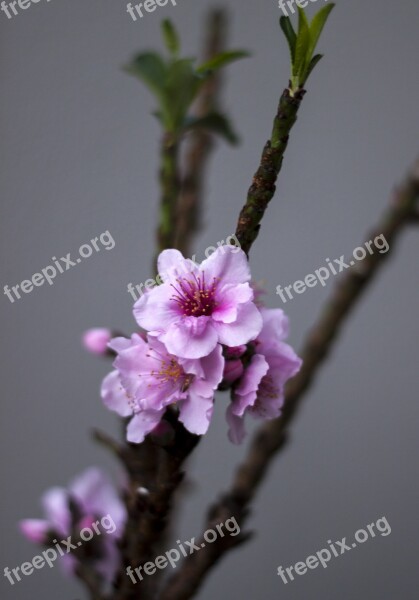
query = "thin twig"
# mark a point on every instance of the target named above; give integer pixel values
(271, 437)
(108, 442)
(264, 181)
(170, 189)
(200, 142)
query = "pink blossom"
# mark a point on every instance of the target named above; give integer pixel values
(260, 391)
(147, 379)
(92, 497)
(199, 306)
(96, 340)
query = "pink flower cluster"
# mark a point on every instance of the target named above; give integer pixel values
(90, 496)
(204, 331)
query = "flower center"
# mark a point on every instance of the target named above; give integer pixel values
(195, 297)
(169, 371)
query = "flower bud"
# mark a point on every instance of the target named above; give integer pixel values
(96, 340)
(233, 370)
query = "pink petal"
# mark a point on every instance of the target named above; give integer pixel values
(114, 396)
(245, 329)
(213, 366)
(275, 327)
(236, 432)
(192, 337)
(141, 424)
(109, 564)
(284, 362)
(68, 565)
(227, 263)
(119, 344)
(246, 392)
(195, 413)
(96, 495)
(172, 264)
(35, 530)
(155, 311)
(55, 504)
(229, 299)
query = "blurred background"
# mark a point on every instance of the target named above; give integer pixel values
(79, 157)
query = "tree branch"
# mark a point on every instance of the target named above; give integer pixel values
(201, 142)
(271, 437)
(263, 185)
(170, 189)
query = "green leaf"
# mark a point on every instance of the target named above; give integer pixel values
(317, 24)
(288, 29)
(181, 88)
(170, 36)
(302, 45)
(215, 122)
(221, 60)
(312, 64)
(151, 69)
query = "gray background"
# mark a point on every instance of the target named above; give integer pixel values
(79, 156)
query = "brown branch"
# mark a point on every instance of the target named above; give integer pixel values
(200, 142)
(271, 437)
(263, 186)
(91, 580)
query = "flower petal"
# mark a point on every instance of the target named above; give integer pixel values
(114, 396)
(245, 329)
(213, 366)
(236, 432)
(275, 328)
(229, 299)
(172, 264)
(119, 344)
(96, 495)
(196, 412)
(246, 392)
(35, 530)
(229, 264)
(155, 310)
(193, 337)
(55, 504)
(141, 424)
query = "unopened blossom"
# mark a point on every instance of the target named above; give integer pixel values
(96, 340)
(90, 498)
(199, 306)
(147, 379)
(260, 391)
(233, 370)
